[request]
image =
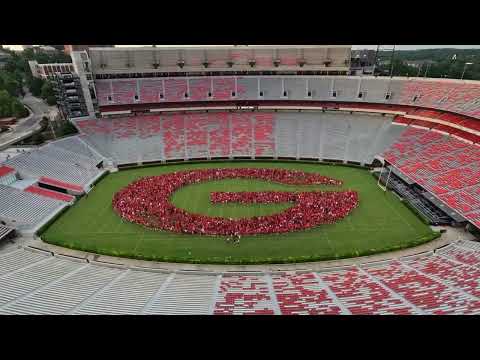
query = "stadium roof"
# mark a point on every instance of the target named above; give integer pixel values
(217, 47)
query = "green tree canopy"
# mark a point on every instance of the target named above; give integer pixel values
(10, 106)
(35, 86)
(46, 90)
(444, 63)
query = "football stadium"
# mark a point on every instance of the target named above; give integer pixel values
(241, 180)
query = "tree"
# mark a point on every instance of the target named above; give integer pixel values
(66, 128)
(11, 82)
(42, 58)
(18, 109)
(402, 69)
(12, 86)
(28, 54)
(5, 104)
(36, 86)
(16, 73)
(447, 63)
(37, 138)
(11, 106)
(51, 100)
(46, 90)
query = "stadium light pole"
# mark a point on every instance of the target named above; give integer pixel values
(465, 68)
(426, 70)
(391, 61)
(376, 59)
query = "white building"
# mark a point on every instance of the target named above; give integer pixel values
(43, 71)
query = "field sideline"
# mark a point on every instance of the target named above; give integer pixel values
(380, 223)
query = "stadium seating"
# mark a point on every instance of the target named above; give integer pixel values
(124, 91)
(446, 282)
(175, 89)
(303, 294)
(26, 210)
(173, 129)
(445, 166)
(403, 120)
(219, 135)
(387, 134)
(6, 232)
(104, 92)
(124, 140)
(296, 88)
(310, 132)
(150, 90)
(184, 294)
(472, 245)
(264, 134)
(364, 130)
(344, 137)
(243, 295)
(452, 273)
(54, 164)
(17, 284)
(242, 131)
(454, 96)
(49, 193)
(425, 292)
(373, 90)
(197, 135)
(428, 93)
(223, 88)
(286, 136)
(130, 292)
(7, 175)
(247, 88)
(336, 134)
(53, 151)
(75, 283)
(272, 88)
(75, 145)
(362, 295)
(200, 89)
(17, 259)
(462, 253)
(155, 90)
(150, 136)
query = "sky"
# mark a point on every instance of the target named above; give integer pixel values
(355, 47)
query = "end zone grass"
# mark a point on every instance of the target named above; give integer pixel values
(380, 223)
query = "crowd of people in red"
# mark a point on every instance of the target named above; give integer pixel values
(147, 202)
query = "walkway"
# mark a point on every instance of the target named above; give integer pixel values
(451, 235)
(29, 125)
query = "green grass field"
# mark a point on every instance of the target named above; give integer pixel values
(380, 223)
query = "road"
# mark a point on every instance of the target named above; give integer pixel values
(25, 127)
